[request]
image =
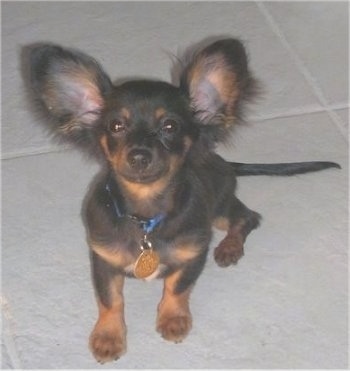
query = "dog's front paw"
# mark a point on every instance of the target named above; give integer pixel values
(174, 328)
(229, 251)
(107, 343)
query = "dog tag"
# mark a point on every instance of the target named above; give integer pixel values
(148, 261)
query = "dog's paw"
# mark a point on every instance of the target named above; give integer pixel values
(174, 328)
(229, 251)
(107, 344)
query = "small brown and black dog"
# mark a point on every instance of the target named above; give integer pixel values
(163, 188)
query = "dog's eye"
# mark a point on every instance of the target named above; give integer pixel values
(117, 126)
(170, 126)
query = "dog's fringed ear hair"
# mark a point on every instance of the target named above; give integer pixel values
(217, 80)
(70, 85)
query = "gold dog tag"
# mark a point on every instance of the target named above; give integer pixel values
(148, 261)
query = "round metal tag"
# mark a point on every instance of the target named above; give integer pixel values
(146, 264)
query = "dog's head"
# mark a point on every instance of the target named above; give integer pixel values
(145, 129)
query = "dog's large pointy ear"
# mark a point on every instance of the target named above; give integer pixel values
(71, 85)
(217, 79)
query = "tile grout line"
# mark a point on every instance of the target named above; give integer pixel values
(294, 112)
(303, 70)
(39, 152)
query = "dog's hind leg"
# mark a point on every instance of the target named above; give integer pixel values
(239, 221)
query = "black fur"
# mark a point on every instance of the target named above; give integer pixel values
(156, 144)
(282, 169)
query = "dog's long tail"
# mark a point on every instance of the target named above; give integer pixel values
(282, 169)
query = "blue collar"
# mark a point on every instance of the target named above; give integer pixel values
(148, 225)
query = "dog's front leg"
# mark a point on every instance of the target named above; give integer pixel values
(174, 319)
(108, 339)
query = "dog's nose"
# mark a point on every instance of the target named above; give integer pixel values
(139, 159)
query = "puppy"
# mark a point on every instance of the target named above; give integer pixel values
(151, 214)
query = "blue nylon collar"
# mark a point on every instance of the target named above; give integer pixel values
(148, 225)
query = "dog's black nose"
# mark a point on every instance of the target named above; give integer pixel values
(139, 159)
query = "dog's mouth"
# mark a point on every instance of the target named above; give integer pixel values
(143, 176)
(141, 165)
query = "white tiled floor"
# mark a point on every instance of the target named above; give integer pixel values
(285, 304)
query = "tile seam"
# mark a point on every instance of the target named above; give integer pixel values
(17, 155)
(300, 65)
(292, 112)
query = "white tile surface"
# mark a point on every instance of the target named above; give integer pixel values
(285, 304)
(296, 138)
(343, 115)
(318, 32)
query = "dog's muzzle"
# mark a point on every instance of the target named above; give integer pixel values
(139, 159)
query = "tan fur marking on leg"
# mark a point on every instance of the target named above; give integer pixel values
(221, 223)
(230, 249)
(186, 252)
(108, 339)
(174, 317)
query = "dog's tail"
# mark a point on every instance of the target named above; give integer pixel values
(282, 169)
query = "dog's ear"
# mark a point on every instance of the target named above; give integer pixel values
(217, 80)
(71, 86)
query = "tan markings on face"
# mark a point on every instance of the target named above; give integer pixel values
(103, 142)
(150, 190)
(113, 158)
(125, 113)
(159, 113)
(144, 191)
(137, 190)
